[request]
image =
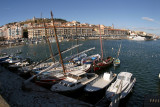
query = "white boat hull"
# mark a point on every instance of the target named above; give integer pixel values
(123, 86)
(139, 38)
(128, 90)
(64, 88)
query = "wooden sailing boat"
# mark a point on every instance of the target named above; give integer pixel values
(51, 54)
(51, 79)
(104, 62)
(54, 74)
(116, 61)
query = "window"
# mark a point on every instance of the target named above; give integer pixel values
(121, 77)
(72, 85)
(81, 76)
(128, 79)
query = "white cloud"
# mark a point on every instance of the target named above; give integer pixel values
(148, 19)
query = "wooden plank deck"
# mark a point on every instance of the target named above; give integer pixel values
(101, 83)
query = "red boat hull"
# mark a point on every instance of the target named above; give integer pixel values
(48, 82)
(102, 64)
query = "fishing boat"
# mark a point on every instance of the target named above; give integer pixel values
(50, 76)
(11, 60)
(47, 79)
(90, 59)
(104, 62)
(3, 56)
(67, 67)
(40, 67)
(19, 64)
(78, 58)
(69, 63)
(55, 74)
(25, 71)
(125, 82)
(101, 82)
(35, 67)
(74, 81)
(116, 61)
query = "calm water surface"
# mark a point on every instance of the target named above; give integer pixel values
(138, 57)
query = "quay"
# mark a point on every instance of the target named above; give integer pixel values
(3, 103)
(31, 95)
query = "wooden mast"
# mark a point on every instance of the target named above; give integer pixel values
(47, 39)
(101, 43)
(55, 35)
(119, 50)
(77, 40)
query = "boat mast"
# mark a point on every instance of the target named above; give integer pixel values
(77, 40)
(55, 35)
(101, 42)
(47, 39)
(119, 50)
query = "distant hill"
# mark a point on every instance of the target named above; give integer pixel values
(38, 20)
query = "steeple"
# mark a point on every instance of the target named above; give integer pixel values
(112, 26)
(34, 18)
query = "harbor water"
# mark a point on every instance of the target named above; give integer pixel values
(141, 58)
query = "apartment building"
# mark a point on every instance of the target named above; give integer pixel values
(1, 32)
(15, 32)
(110, 32)
(39, 32)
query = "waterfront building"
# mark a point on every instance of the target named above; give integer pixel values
(99, 28)
(132, 33)
(141, 33)
(73, 23)
(109, 31)
(114, 32)
(15, 32)
(34, 28)
(1, 32)
(67, 31)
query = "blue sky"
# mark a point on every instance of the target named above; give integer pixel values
(141, 15)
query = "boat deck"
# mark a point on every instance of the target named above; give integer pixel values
(100, 83)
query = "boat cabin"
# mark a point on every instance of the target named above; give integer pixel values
(107, 76)
(125, 76)
(77, 75)
(74, 78)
